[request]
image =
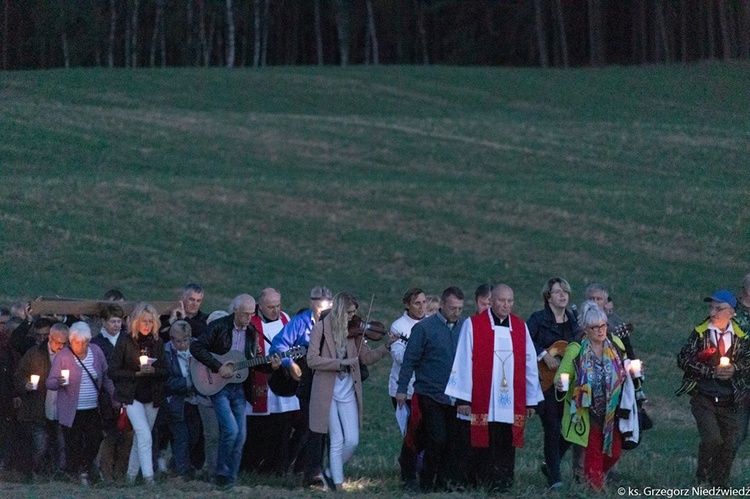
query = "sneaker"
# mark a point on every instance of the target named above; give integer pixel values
(84, 478)
(148, 480)
(162, 464)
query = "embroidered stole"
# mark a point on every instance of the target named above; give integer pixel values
(483, 357)
(260, 404)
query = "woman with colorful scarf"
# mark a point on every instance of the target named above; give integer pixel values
(596, 371)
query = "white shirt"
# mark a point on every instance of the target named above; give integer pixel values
(501, 396)
(109, 337)
(276, 404)
(401, 326)
(717, 334)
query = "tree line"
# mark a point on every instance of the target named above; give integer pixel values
(257, 33)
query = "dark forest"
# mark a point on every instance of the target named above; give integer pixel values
(38, 34)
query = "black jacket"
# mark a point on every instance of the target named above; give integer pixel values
(544, 331)
(125, 364)
(218, 339)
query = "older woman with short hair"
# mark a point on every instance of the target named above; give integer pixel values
(140, 387)
(597, 376)
(77, 398)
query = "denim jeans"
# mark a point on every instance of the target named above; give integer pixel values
(229, 405)
(185, 438)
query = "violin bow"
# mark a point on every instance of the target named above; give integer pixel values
(367, 322)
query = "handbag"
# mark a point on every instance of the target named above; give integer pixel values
(123, 422)
(103, 400)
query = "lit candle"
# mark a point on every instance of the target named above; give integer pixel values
(35, 381)
(143, 359)
(565, 380)
(65, 373)
(635, 368)
(724, 361)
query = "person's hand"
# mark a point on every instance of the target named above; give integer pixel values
(177, 314)
(227, 370)
(559, 385)
(551, 361)
(275, 361)
(29, 386)
(464, 410)
(530, 412)
(295, 371)
(724, 372)
(147, 369)
(349, 362)
(392, 338)
(400, 399)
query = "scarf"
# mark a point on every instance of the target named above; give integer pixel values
(582, 391)
(260, 404)
(483, 356)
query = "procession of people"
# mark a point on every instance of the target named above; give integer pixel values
(255, 389)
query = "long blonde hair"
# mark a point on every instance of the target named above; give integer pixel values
(141, 310)
(339, 319)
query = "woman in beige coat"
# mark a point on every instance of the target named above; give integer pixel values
(336, 399)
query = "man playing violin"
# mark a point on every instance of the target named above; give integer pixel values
(553, 325)
(233, 332)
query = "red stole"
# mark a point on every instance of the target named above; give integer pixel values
(483, 357)
(260, 404)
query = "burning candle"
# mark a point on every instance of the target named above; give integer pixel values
(724, 361)
(565, 380)
(635, 368)
(35, 381)
(143, 359)
(65, 373)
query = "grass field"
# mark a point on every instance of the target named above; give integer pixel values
(374, 180)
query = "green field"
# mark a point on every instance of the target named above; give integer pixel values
(374, 180)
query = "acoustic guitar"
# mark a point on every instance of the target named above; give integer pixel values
(558, 348)
(208, 383)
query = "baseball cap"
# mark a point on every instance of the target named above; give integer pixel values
(723, 296)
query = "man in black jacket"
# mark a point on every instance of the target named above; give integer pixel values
(233, 332)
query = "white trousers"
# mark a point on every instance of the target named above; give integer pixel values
(343, 429)
(142, 417)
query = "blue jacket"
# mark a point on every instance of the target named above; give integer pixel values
(295, 333)
(429, 355)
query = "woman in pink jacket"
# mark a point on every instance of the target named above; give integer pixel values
(336, 399)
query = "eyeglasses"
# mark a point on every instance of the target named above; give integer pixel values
(558, 292)
(719, 308)
(598, 327)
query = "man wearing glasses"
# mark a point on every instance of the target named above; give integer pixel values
(716, 361)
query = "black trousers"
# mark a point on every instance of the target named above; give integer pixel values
(444, 463)
(493, 467)
(555, 446)
(717, 427)
(267, 445)
(82, 440)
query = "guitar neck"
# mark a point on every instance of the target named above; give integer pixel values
(258, 361)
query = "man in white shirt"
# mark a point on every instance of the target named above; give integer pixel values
(496, 385)
(415, 303)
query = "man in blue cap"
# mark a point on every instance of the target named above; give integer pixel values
(716, 361)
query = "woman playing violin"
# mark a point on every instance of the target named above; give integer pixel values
(553, 324)
(336, 399)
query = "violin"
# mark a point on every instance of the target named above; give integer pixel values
(372, 330)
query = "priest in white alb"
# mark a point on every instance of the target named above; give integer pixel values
(496, 386)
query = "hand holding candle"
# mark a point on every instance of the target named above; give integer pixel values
(724, 361)
(144, 360)
(34, 381)
(564, 382)
(65, 373)
(635, 368)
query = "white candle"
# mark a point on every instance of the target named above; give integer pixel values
(35, 381)
(724, 361)
(635, 368)
(565, 380)
(143, 359)
(65, 373)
